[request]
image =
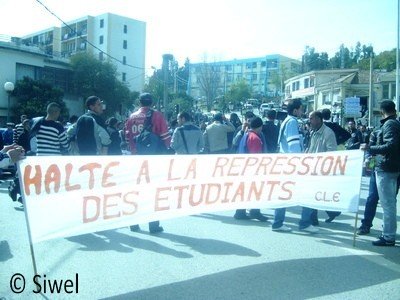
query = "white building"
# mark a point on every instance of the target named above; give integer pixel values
(331, 88)
(107, 36)
(17, 61)
(264, 75)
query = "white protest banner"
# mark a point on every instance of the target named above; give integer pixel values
(72, 195)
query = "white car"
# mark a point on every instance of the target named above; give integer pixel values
(264, 107)
(248, 106)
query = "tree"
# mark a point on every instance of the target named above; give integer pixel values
(386, 60)
(94, 77)
(238, 93)
(33, 96)
(315, 61)
(209, 78)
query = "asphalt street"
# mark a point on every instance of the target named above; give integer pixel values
(207, 256)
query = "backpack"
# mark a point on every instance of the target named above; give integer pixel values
(242, 148)
(147, 142)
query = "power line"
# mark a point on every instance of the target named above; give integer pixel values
(79, 35)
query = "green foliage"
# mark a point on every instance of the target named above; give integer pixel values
(237, 93)
(94, 77)
(33, 96)
(184, 101)
(386, 60)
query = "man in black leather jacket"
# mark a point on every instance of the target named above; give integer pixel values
(387, 170)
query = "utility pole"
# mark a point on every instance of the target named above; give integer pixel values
(370, 100)
(165, 67)
(398, 59)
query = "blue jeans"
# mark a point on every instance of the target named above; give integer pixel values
(387, 191)
(304, 222)
(371, 204)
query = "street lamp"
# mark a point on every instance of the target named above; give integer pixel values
(9, 87)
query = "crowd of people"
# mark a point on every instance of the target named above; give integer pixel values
(146, 132)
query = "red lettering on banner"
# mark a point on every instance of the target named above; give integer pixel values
(126, 199)
(288, 191)
(171, 164)
(180, 193)
(109, 206)
(107, 175)
(90, 167)
(265, 161)
(159, 198)
(144, 171)
(53, 174)
(85, 202)
(219, 165)
(68, 187)
(291, 164)
(250, 162)
(232, 166)
(214, 189)
(192, 170)
(271, 190)
(303, 163)
(36, 180)
(277, 164)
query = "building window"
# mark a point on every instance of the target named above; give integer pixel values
(251, 65)
(272, 63)
(125, 45)
(101, 56)
(101, 23)
(254, 76)
(311, 81)
(101, 40)
(228, 68)
(306, 82)
(385, 91)
(263, 63)
(124, 60)
(123, 77)
(125, 29)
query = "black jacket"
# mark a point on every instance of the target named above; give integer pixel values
(387, 148)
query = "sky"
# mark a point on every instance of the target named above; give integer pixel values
(215, 30)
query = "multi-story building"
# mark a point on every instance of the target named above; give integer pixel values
(264, 75)
(331, 89)
(107, 36)
(18, 60)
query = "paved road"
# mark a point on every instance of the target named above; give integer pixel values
(207, 256)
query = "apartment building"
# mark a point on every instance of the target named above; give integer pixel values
(108, 36)
(331, 89)
(264, 75)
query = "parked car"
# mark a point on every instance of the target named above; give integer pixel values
(248, 106)
(263, 108)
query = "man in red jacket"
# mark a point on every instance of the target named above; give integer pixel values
(134, 125)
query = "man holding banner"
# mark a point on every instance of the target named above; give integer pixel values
(387, 170)
(291, 141)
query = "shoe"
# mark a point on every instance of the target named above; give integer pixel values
(310, 229)
(156, 229)
(134, 228)
(283, 228)
(332, 217)
(259, 217)
(363, 230)
(381, 241)
(241, 216)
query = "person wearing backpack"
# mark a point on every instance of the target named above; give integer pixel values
(252, 142)
(144, 127)
(92, 137)
(146, 132)
(187, 137)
